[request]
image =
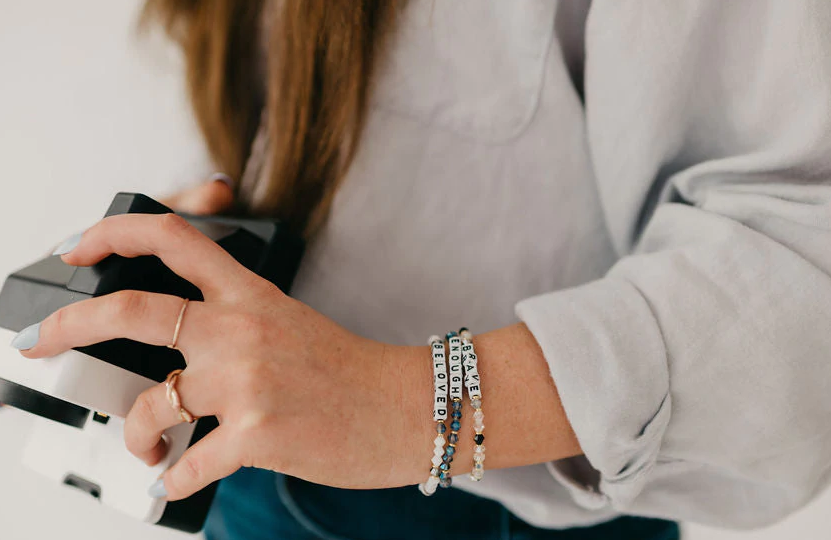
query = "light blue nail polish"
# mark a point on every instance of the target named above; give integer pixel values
(27, 338)
(157, 490)
(68, 245)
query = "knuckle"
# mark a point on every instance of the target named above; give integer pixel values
(173, 224)
(129, 304)
(145, 411)
(250, 379)
(140, 422)
(251, 423)
(253, 427)
(59, 322)
(96, 232)
(191, 468)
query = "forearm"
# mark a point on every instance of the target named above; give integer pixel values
(524, 419)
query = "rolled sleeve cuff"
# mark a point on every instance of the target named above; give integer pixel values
(609, 362)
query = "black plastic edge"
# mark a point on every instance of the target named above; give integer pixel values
(49, 407)
(189, 515)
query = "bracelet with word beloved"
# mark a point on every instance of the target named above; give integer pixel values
(440, 388)
(473, 384)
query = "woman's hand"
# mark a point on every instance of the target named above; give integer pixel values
(293, 391)
(212, 197)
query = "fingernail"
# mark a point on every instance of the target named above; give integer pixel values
(157, 490)
(68, 245)
(27, 338)
(224, 178)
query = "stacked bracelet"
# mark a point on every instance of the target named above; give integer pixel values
(440, 386)
(454, 344)
(474, 390)
(463, 374)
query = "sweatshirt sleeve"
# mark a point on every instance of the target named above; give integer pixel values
(696, 373)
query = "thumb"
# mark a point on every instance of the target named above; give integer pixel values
(207, 461)
(212, 197)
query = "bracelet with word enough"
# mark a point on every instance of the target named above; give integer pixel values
(454, 344)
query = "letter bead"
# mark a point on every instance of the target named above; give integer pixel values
(473, 385)
(440, 386)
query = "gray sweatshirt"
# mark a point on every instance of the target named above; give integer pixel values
(645, 184)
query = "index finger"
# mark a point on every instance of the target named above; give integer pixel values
(180, 246)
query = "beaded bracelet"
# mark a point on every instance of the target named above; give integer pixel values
(454, 344)
(474, 390)
(439, 416)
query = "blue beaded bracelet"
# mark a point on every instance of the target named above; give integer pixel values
(454, 346)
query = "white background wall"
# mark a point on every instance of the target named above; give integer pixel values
(87, 109)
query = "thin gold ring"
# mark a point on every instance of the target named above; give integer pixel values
(179, 324)
(174, 399)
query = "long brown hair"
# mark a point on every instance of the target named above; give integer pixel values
(314, 83)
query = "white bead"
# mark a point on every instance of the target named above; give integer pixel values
(428, 488)
(472, 383)
(440, 408)
(456, 370)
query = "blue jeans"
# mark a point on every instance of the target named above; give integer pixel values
(258, 505)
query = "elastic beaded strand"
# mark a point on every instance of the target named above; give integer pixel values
(445, 480)
(474, 390)
(454, 346)
(439, 415)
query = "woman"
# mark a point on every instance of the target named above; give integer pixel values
(628, 201)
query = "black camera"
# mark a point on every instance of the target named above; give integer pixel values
(82, 397)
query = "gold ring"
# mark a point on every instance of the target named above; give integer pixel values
(174, 399)
(179, 324)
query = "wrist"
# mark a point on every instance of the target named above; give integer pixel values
(407, 378)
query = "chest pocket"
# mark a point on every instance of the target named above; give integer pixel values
(474, 67)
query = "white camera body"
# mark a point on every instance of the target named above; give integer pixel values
(92, 457)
